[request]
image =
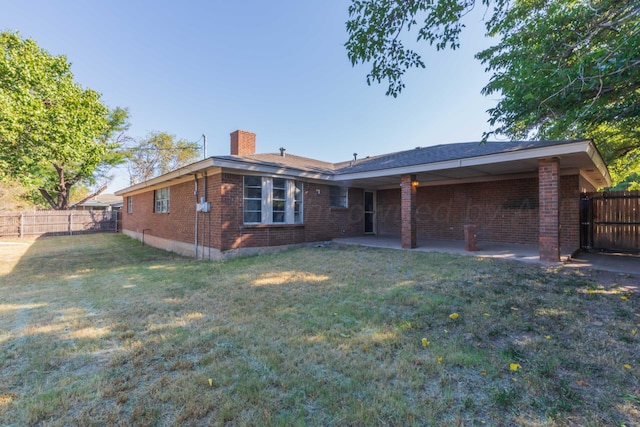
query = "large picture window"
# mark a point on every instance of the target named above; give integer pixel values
(161, 204)
(272, 200)
(338, 197)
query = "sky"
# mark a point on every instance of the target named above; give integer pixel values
(275, 68)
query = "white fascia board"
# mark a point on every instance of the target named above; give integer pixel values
(598, 161)
(527, 154)
(186, 170)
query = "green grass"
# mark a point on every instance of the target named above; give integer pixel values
(99, 330)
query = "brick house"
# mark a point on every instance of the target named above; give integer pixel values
(513, 192)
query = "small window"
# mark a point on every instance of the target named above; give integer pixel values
(338, 197)
(130, 204)
(279, 200)
(252, 199)
(161, 204)
(297, 203)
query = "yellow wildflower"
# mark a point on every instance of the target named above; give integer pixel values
(634, 331)
(453, 316)
(210, 382)
(626, 365)
(425, 342)
(514, 366)
(483, 372)
(548, 337)
(439, 359)
(624, 298)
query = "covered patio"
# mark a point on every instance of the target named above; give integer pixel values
(522, 197)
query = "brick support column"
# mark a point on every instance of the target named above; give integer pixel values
(549, 188)
(408, 211)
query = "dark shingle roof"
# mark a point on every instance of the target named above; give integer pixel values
(439, 153)
(288, 161)
(417, 156)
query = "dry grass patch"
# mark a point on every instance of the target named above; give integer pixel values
(100, 330)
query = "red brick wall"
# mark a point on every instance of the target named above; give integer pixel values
(178, 224)
(321, 222)
(504, 211)
(209, 222)
(570, 212)
(408, 211)
(549, 184)
(243, 143)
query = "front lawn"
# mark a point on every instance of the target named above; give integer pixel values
(99, 330)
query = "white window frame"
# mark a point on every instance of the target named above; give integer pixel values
(129, 204)
(245, 198)
(161, 200)
(343, 195)
(266, 215)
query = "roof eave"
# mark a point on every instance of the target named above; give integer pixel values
(585, 146)
(238, 165)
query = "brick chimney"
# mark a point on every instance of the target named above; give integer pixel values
(243, 143)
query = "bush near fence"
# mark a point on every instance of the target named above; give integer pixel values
(38, 223)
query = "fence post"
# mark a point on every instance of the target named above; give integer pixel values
(21, 225)
(70, 224)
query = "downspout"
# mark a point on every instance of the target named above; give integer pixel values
(208, 213)
(195, 192)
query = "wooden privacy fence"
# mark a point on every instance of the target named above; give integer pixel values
(610, 221)
(38, 223)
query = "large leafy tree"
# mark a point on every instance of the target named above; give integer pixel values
(158, 154)
(562, 68)
(54, 134)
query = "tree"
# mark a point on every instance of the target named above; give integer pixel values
(375, 28)
(563, 68)
(157, 154)
(53, 133)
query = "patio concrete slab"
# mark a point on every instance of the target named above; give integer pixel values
(614, 262)
(618, 263)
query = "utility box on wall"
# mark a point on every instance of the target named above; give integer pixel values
(203, 207)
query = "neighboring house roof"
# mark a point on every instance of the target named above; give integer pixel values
(436, 164)
(102, 201)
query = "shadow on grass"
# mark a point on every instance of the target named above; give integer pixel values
(98, 329)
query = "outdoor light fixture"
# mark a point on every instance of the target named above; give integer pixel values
(414, 183)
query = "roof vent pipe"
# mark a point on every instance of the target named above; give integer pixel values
(282, 150)
(355, 157)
